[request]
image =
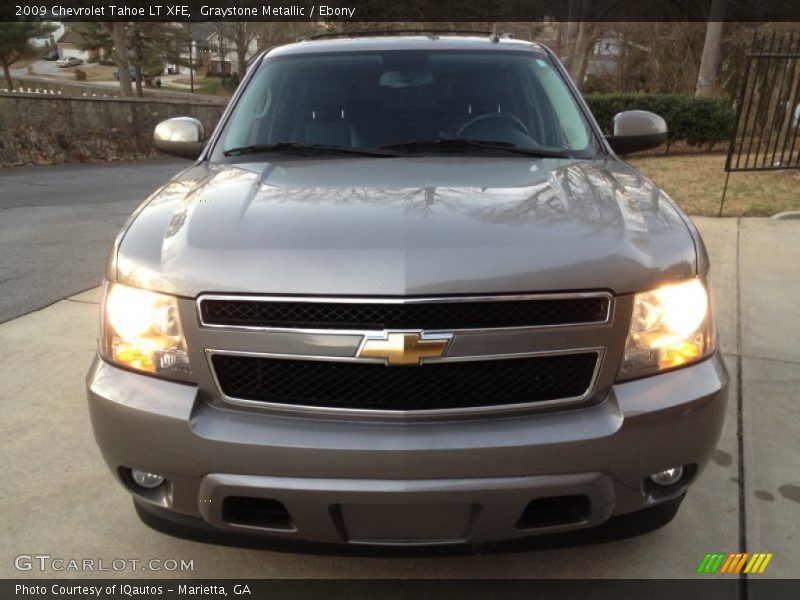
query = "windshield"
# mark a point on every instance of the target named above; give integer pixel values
(406, 102)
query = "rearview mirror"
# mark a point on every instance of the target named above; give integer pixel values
(635, 130)
(181, 136)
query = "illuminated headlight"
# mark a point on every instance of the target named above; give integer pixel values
(670, 327)
(142, 331)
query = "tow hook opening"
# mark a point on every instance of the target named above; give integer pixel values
(555, 511)
(264, 513)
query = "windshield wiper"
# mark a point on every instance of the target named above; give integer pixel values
(300, 148)
(459, 144)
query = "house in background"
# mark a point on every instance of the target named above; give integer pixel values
(221, 55)
(200, 55)
(49, 41)
(606, 56)
(69, 45)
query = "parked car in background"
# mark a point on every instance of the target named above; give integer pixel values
(50, 55)
(407, 294)
(68, 61)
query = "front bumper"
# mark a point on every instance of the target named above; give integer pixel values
(439, 482)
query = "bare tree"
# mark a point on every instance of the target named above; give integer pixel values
(709, 63)
(241, 35)
(138, 45)
(588, 35)
(654, 56)
(117, 31)
(273, 33)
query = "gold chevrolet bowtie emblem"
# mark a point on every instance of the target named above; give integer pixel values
(404, 348)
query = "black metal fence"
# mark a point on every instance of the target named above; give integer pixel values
(766, 134)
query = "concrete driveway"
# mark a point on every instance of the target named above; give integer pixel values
(59, 499)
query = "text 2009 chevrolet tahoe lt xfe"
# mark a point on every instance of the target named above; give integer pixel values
(407, 294)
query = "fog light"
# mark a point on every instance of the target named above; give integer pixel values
(667, 477)
(146, 480)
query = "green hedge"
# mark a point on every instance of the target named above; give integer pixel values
(695, 121)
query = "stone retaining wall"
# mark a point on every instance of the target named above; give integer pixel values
(48, 129)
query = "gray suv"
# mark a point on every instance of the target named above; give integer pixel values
(407, 295)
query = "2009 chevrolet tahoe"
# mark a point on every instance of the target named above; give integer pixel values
(407, 294)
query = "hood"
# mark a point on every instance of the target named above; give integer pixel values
(406, 226)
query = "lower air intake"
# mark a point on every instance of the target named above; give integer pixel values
(432, 386)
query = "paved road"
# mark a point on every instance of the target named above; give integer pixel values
(57, 222)
(50, 68)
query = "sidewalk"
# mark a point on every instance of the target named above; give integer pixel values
(756, 281)
(59, 499)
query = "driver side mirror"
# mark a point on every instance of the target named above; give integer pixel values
(635, 130)
(180, 136)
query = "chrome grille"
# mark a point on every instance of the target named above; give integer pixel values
(506, 353)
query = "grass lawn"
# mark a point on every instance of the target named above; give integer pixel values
(99, 72)
(202, 85)
(695, 181)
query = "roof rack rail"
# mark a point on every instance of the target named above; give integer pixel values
(381, 32)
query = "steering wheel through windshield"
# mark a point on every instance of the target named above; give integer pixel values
(483, 119)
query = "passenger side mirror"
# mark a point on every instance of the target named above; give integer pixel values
(635, 130)
(181, 136)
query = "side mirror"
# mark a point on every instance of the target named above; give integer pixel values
(635, 130)
(181, 136)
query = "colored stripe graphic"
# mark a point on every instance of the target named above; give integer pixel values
(728, 562)
(734, 563)
(740, 563)
(711, 563)
(754, 563)
(767, 558)
(733, 560)
(703, 563)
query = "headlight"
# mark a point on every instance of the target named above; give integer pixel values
(142, 331)
(670, 327)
